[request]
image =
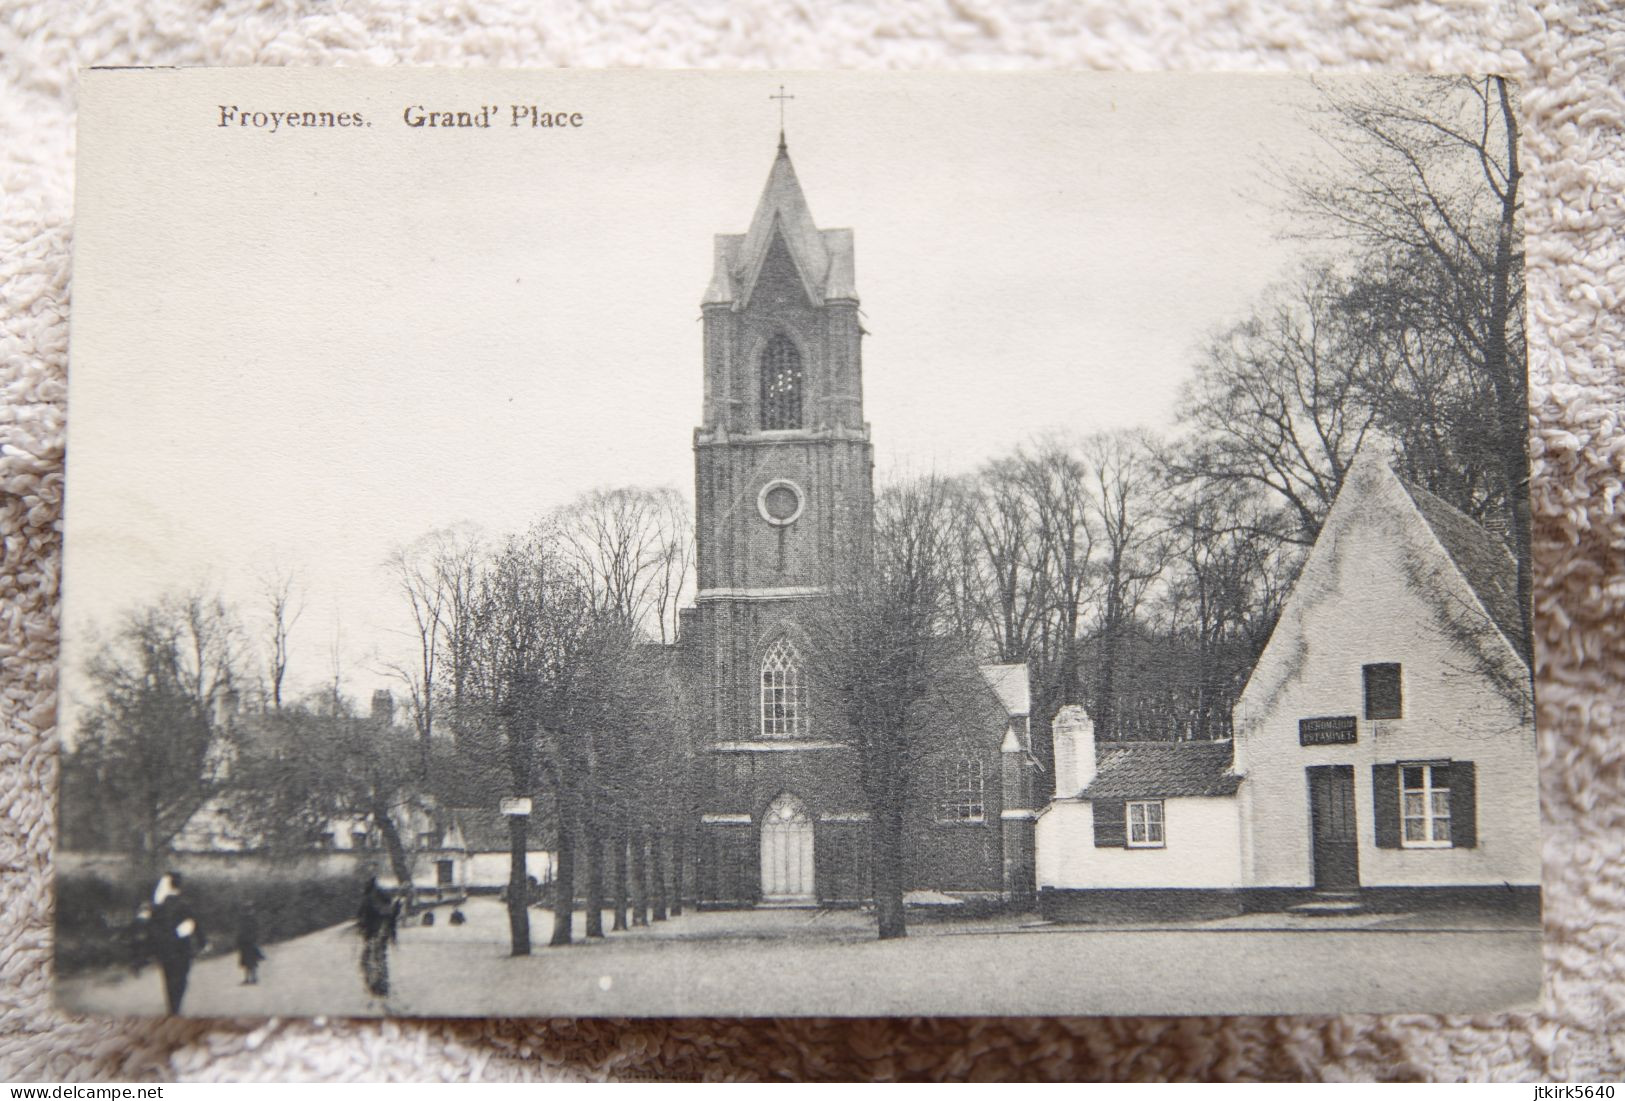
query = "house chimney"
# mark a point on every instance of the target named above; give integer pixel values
(383, 707)
(1074, 736)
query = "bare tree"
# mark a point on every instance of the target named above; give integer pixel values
(532, 622)
(317, 764)
(1054, 478)
(630, 548)
(151, 747)
(284, 602)
(883, 650)
(1430, 178)
(1124, 485)
(1007, 567)
(1224, 587)
(420, 573)
(1277, 401)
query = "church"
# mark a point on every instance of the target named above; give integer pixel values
(784, 488)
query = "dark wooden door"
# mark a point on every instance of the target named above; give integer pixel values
(1334, 833)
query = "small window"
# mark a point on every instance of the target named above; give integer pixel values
(1424, 806)
(1382, 692)
(1145, 824)
(358, 839)
(964, 795)
(444, 873)
(325, 840)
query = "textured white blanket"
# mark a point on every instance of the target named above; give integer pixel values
(1570, 57)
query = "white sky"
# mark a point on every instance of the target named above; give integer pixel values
(314, 346)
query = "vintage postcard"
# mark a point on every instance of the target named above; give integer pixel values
(584, 543)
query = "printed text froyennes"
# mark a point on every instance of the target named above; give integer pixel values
(273, 121)
(416, 116)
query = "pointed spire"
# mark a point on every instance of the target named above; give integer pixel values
(822, 258)
(783, 211)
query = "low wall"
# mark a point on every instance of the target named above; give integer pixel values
(97, 895)
(1138, 905)
(1135, 905)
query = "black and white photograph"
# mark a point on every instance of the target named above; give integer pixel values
(797, 544)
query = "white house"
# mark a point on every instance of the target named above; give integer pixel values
(1384, 743)
(458, 851)
(1138, 830)
(1387, 733)
(483, 836)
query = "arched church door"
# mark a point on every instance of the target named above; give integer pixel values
(787, 852)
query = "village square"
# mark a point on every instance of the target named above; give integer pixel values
(1235, 717)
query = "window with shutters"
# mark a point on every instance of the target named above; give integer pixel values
(964, 799)
(784, 692)
(1383, 698)
(1424, 806)
(781, 384)
(1145, 824)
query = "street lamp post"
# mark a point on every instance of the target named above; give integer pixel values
(517, 810)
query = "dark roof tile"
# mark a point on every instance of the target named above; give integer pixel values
(1483, 560)
(1133, 770)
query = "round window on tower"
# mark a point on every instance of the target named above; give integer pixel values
(780, 502)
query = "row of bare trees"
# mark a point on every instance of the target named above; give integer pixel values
(1119, 588)
(544, 655)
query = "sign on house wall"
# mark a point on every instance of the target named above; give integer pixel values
(1332, 730)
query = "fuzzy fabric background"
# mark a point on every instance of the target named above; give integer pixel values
(1570, 57)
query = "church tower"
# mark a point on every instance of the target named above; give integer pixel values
(783, 472)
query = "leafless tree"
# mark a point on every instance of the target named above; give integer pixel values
(149, 751)
(1277, 401)
(1428, 177)
(1224, 585)
(630, 548)
(1006, 570)
(284, 602)
(1124, 485)
(434, 577)
(884, 651)
(1055, 481)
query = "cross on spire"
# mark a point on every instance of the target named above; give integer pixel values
(781, 97)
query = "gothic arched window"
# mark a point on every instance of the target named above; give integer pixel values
(784, 692)
(964, 791)
(781, 384)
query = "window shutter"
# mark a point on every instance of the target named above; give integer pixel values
(1385, 804)
(1111, 830)
(1463, 805)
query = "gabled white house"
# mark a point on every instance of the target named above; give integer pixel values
(1387, 732)
(1384, 743)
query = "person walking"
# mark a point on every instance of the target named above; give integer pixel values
(248, 944)
(176, 936)
(377, 920)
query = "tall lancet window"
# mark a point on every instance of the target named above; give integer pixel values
(784, 692)
(781, 384)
